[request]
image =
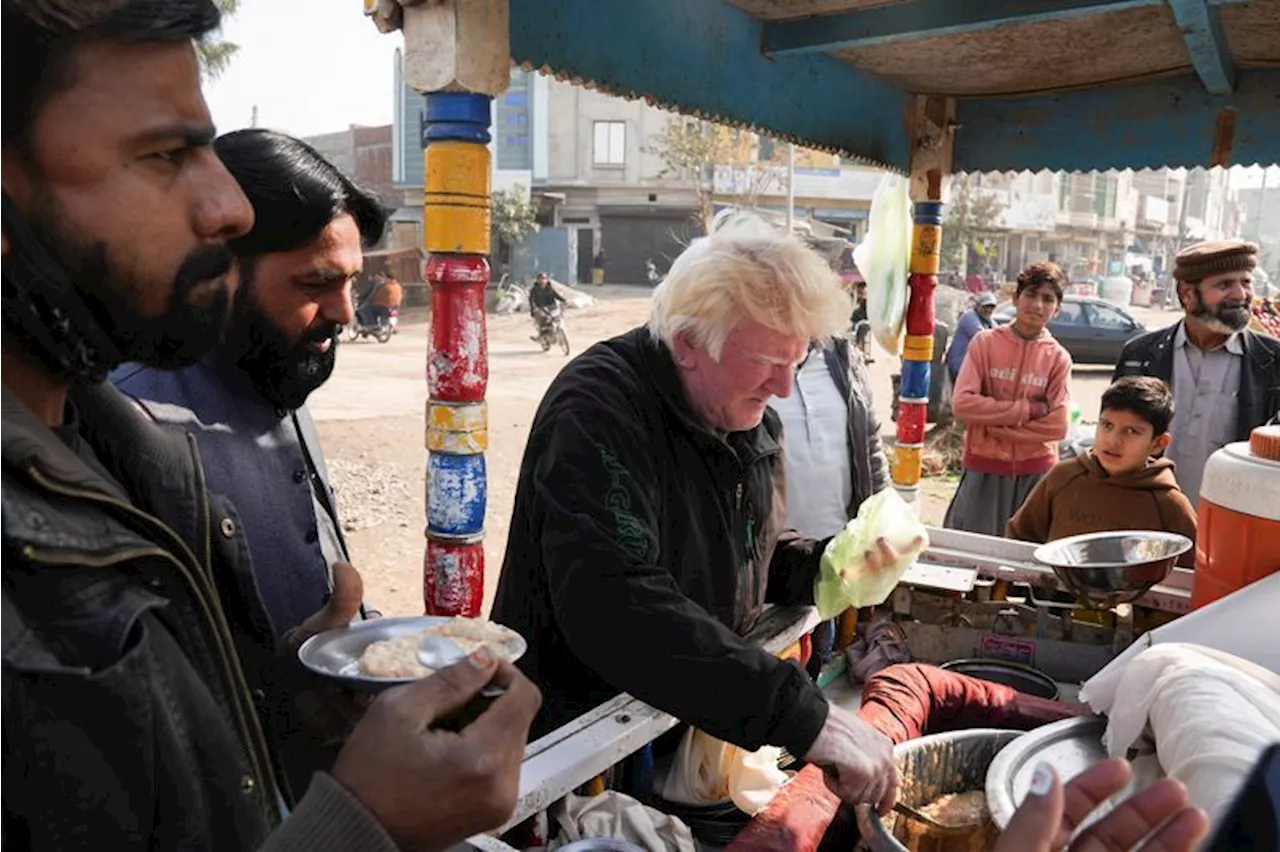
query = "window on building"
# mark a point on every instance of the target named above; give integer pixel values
(610, 147)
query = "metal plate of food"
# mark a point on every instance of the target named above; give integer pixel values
(381, 653)
(1070, 746)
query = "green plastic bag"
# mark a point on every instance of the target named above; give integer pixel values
(843, 579)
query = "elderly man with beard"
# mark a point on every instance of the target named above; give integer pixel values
(246, 401)
(129, 647)
(1225, 378)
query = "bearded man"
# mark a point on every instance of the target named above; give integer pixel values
(246, 401)
(1225, 378)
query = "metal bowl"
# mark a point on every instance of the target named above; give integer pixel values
(336, 653)
(1109, 568)
(1070, 746)
(932, 766)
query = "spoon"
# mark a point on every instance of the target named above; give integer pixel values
(439, 652)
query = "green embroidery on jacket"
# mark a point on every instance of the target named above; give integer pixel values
(632, 534)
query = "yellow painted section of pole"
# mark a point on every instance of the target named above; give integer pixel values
(456, 198)
(905, 467)
(917, 347)
(926, 249)
(460, 429)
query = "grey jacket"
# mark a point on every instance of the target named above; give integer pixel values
(128, 646)
(866, 451)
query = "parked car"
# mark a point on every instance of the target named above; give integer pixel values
(1093, 330)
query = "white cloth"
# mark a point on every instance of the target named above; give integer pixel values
(1211, 715)
(619, 817)
(815, 432)
(707, 771)
(1235, 625)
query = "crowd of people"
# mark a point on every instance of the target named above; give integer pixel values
(172, 298)
(1179, 394)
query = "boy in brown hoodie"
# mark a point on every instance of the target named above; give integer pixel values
(1120, 483)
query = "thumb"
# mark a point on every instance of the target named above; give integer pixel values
(449, 689)
(342, 607)
(1036, 822)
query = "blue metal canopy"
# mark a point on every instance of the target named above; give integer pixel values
(1074, 85)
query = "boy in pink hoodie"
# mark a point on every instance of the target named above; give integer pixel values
(1012, 394)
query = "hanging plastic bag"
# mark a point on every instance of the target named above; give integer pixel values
(843, 578)
(883, 257)
(706, 771)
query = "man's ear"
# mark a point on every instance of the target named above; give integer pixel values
(684, 351)
(1160, 444)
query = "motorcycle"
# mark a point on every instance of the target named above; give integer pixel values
(380, 329)
(550, 324)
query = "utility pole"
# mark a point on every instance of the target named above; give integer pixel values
(253, 117)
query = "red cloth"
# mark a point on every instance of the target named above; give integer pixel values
(903, 702)
(911, 700)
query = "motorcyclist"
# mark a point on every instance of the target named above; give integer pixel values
(385, 298)
(364, 302)
(543, 302)
(861, 325)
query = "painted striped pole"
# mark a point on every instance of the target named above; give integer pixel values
(456, 235)
(917, 353)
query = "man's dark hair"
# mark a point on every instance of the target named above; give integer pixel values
(294, 191)
(1145, 396)
(1043, 273)
(43, 36)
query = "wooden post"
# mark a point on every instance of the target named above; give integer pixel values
(456, 52)
(931, 126)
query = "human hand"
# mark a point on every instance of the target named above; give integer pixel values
(858, 761)
(1039, 408)
(431, 788)
(1051, 812)
(326, 712)
(885, 555)
(340, 610)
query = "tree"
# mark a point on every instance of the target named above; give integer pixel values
(512, 215)
(715, 161)
(971, 216)
(215, 55)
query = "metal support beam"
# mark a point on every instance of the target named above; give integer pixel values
(923, 19)
(917, 19)
(1210, 56)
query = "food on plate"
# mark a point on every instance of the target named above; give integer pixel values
(398, 657)
(958, 809)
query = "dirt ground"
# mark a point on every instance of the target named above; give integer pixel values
(370, 417)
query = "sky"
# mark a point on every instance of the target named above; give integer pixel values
(310, 66)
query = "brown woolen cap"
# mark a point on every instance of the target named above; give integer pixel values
(1197, 262)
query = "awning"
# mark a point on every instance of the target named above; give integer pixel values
(1036, 84)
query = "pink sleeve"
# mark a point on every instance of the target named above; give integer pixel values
(969, 404)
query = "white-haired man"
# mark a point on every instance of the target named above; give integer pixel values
(649, 523)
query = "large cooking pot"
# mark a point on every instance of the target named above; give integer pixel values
(932, 766)
(1015, 675)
